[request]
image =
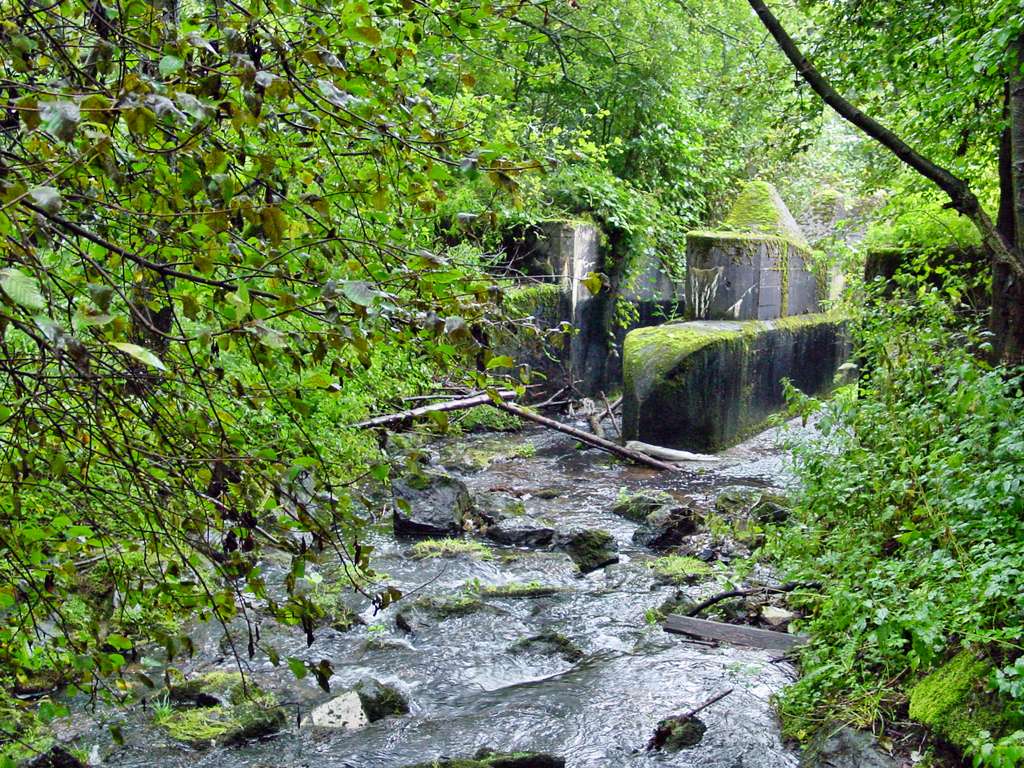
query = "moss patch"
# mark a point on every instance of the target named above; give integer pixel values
(954, 701)
(218, 708)
(540, 300)
(679, 569)
(450, 548)
(487, 418)
(760, 209)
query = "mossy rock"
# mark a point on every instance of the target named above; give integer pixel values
(760, 504)
(431, 548)
(343, 618)
(549, 642)
(518, 590)
(589, 549)
(444, 607)
(485, 758)
(673, 734)
(637, 506)
(217, 708)
(380, 700)
(954, 701)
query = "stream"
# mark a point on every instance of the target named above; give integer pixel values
(468, 687)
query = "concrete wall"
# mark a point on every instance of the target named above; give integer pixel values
(706, 385)
(741, 276)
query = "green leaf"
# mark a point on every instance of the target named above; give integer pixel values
(593, 282)
(61, 118)
(504, 361)
(369, 35)
(22, 289)
(298, 667)
(169, 65)
(141, 354)
(120, 642)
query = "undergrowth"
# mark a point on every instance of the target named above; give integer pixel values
(911, 515)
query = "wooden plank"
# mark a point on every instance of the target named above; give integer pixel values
(733, 633)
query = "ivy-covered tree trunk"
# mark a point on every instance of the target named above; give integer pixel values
(1007, 320)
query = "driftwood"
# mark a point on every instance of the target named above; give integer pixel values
(668, 454)
(585, 437)
(595, 425)
(452, 405)
(734, 634)
(787, 587)
(665, 727)
(609, 415)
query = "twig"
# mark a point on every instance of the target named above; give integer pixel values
(665, 727)
(423, 410)
(788, 587)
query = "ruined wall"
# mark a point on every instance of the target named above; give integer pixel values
(704, 386)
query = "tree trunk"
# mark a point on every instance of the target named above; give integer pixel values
(1008, 314)
(1007, 319)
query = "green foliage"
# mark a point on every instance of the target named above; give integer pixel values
(920, 223)
(910, 514)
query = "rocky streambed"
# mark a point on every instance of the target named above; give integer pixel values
(534, 633)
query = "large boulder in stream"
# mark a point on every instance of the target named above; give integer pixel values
(638, 505)
(589, 549)
(430, 504)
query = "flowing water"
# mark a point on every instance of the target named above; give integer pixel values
(468, 688)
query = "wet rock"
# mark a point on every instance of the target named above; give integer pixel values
(380, 700)
(487, 758)
(547, 493)
(846, 748)
(667, 527)
(492, 508)
(680, 603)
(410, 622)
(344, 713)
(589, 549)
(549, 642)
(675, 733)
(430, 504)
(637, 506)
(56, 757)
(524, 531)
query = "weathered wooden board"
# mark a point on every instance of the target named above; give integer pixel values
(732, 633)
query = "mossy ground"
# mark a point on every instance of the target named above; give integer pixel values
(954, 701)
(429, 548)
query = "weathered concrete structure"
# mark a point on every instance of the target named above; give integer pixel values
(559, 257)
(757, 267)
(704, 386)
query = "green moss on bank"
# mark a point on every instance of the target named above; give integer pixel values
(954, 700)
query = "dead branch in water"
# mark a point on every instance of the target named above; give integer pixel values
(788, 587)
(585, 437)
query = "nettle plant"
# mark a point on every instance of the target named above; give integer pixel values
(216, 239)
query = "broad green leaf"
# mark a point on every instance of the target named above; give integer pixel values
(22, 289)
(169, 65)
(141, 354)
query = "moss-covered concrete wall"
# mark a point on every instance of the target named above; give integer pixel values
(706, 385)
(757, 267)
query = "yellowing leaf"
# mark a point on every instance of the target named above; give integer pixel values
(141, 354)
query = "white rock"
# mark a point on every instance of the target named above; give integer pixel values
(343, 712)
(776, 616)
